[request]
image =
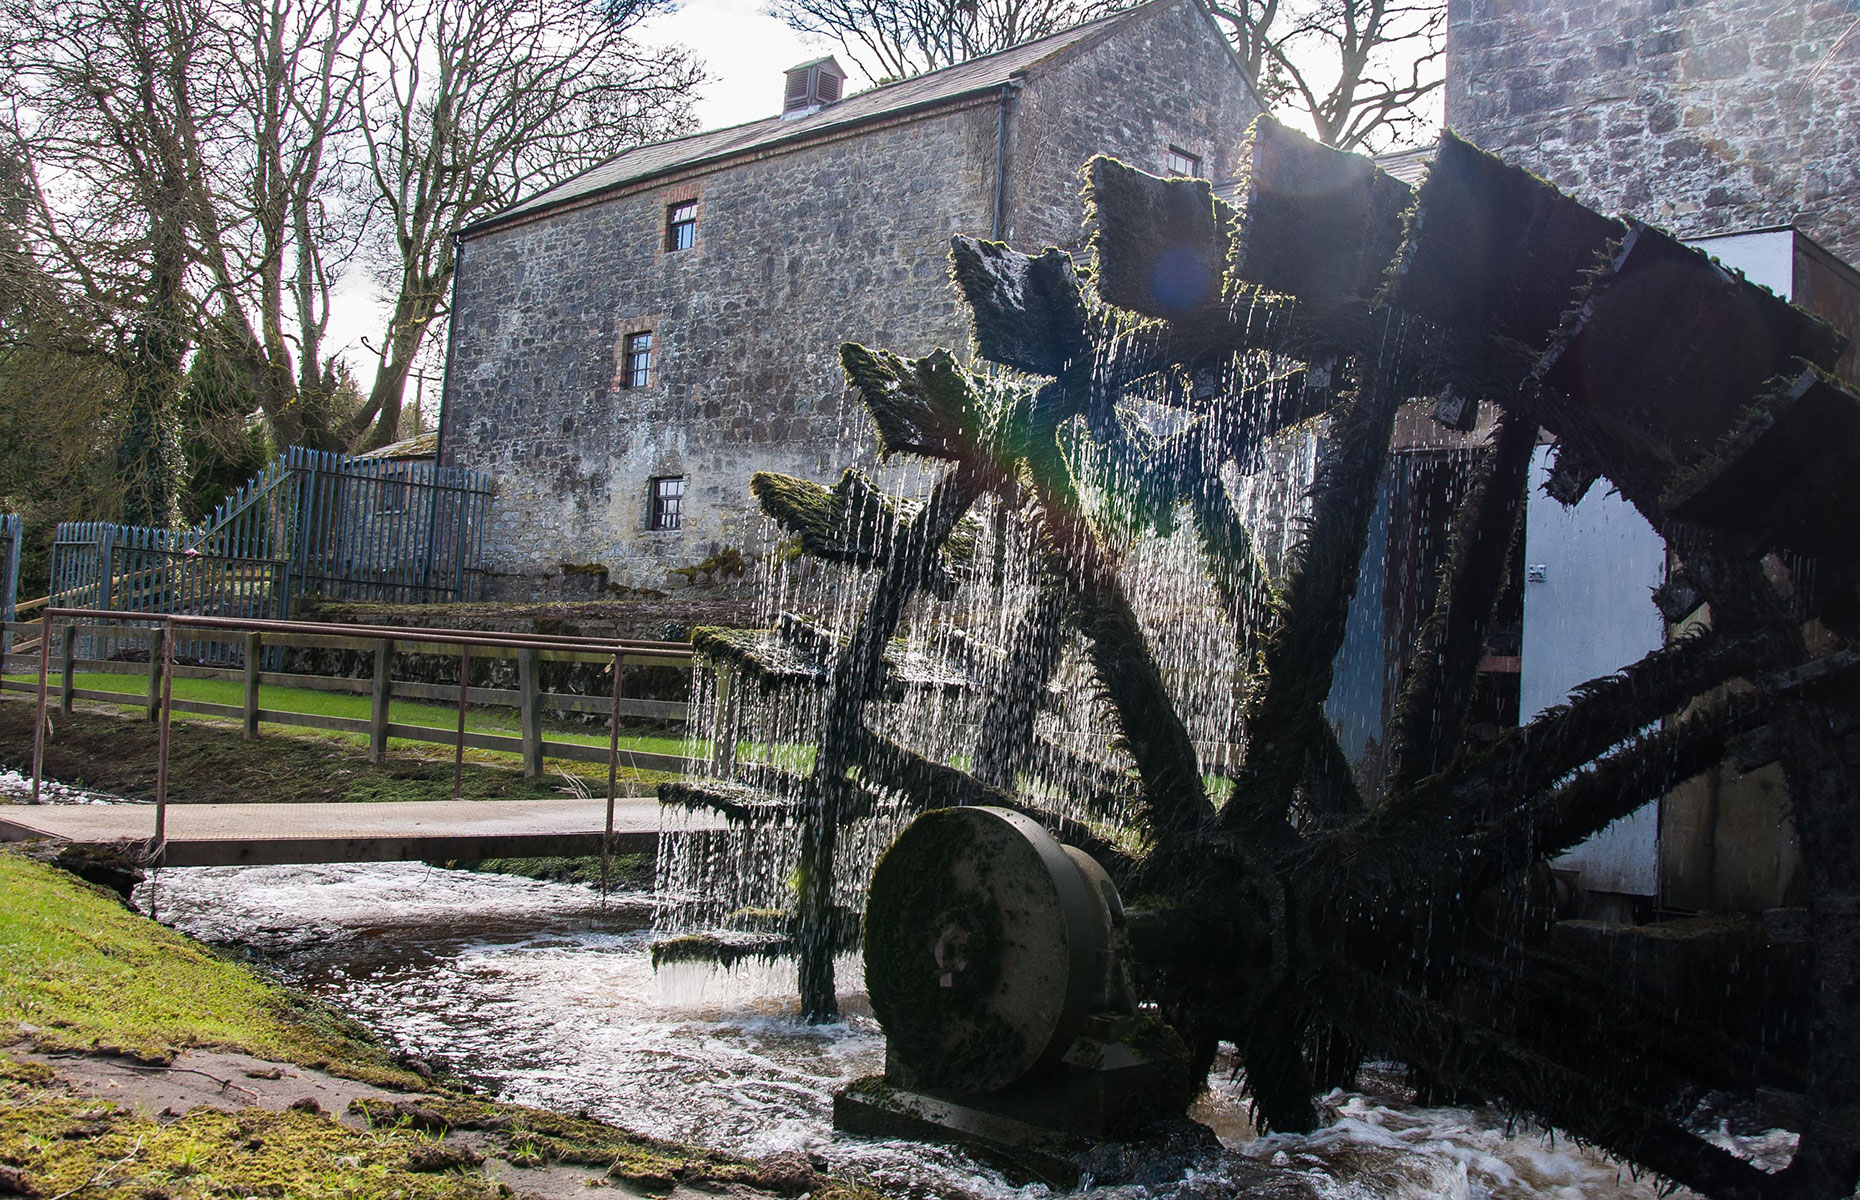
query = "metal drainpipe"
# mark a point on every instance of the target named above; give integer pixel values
(439, 430)
(445, 378)
(1001, 132)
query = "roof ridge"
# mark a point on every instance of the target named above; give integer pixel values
(915, 93)
(1069, 32)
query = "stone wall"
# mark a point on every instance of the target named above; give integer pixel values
(795, 254)
(1700, 116)
(1166, 79)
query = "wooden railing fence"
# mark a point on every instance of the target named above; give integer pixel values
(63, 630)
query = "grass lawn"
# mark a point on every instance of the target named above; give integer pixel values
(441, 717)
(110, 748)
(86, 973)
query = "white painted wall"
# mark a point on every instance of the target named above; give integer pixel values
(1590, 572)
(1587, 605)
(1767, 257)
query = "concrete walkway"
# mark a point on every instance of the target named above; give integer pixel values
(218, 835)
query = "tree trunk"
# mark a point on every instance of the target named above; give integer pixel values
(149, 459)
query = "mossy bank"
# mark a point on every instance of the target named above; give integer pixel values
(93, 990)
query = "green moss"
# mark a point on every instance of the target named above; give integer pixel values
(629, 872)
(534, 1136)
(23, 1072)
(1140, 220)
(84, 973)
(68, 1145)
(1028, 312)
(764, 656)
(853, 522)
(928, 406)
(872, 1087)
(722, 950)
(727, 563)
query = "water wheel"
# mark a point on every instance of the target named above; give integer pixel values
(1313, 914)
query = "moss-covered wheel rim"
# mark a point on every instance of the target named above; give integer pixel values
(983, 949)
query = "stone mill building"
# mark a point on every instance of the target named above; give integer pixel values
(628, 346)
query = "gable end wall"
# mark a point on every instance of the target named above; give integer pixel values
(796, 253)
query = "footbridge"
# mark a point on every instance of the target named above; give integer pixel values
(222, 835)
(182, 834)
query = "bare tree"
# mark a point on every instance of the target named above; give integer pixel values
(896, 39)
(195, 174)
(471, 103)
(178, 157)
(1360, 70)
(271, 228)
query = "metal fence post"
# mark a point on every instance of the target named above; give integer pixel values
(10, 527)
(254, 657)
(106, 554)
(159, 843)
(613, 769)
(378, 700)
(38, 724)
(529, 691)
(158, 641)
(458, 759)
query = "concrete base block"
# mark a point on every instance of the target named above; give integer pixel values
(1023, 1150)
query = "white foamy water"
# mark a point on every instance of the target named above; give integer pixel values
(16, 788)
(542, 995)
(537, 992)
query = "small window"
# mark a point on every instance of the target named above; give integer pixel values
(1181, 162)
(637, 371)
(681, 225)
(668, 502)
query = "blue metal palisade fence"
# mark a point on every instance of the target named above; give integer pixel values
(332, 526)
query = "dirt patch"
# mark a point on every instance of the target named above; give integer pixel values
(210, 763)
(216, 1078)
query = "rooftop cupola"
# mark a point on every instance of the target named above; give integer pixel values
(811, 86)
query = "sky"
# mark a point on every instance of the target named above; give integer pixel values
(745, 52)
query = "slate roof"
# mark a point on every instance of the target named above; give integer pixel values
(977, 76)
(420, 445)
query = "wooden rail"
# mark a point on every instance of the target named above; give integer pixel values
(58, 630)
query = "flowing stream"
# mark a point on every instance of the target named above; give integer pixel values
(543, 995)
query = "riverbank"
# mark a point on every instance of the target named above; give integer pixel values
(135, 1061)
